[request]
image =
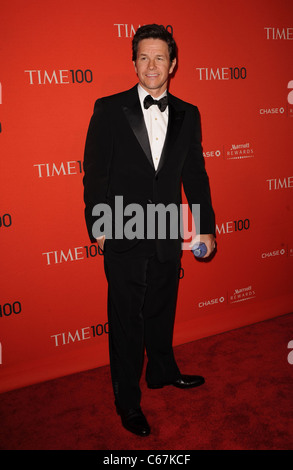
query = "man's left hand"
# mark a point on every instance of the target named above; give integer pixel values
(209, 241)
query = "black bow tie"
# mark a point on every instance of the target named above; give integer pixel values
(162, 103)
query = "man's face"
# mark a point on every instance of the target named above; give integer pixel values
(153, 65)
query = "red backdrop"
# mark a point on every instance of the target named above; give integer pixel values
(235, 64)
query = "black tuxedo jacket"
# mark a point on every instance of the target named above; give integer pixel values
(118, 162)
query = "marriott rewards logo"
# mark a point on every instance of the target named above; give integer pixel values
(132, 221)
(236, 295)
(233, 151)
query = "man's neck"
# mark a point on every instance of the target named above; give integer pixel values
(156, 93)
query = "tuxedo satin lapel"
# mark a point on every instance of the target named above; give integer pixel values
(174, 126)
(135, 118)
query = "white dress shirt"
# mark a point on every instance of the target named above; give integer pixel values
(156, 123)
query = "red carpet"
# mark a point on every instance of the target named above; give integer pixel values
(246, 403)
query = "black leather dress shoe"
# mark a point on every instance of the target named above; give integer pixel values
(134, 421)
(184, 381)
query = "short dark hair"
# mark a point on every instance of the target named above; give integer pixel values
(154, 31)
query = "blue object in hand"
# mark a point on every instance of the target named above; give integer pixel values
(199, 250)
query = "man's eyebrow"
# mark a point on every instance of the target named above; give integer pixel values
(146, 55)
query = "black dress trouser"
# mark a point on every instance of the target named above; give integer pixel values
(142, 294)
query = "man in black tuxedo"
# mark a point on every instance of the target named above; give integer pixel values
(141, 150)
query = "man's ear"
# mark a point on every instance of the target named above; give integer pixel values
(134, 66)
(172, 66)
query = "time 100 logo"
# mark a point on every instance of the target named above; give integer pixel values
(59, 77)
(8, 309)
